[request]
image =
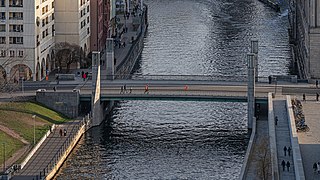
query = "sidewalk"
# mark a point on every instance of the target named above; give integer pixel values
(310, 141)
(283, 138)
(48, 153)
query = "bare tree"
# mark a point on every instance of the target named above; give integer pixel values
(264, 159)
(68, 54)
(9, 84)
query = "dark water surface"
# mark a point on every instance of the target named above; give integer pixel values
(185, 140)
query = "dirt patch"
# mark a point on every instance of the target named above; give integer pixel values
(13, 134)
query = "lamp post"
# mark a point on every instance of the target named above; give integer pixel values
(275, 85)
(4, 157)
(34, 129)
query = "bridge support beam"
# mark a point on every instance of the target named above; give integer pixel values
(254, 50)
(251, 88)
(96, 107)
(110, 59)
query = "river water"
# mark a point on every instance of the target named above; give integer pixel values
(185, 140)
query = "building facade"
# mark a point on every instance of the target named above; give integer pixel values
(26, 38)
(304, 19)
(72, 23)
(100, 18)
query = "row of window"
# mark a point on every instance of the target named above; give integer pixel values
(46, 20)
(82, 2)
(83, 23)
(12, 3)
(12, 28)
(12, 15)
(83, 11)
(12, 53)
(12, 40)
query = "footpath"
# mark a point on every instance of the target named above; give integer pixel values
(283, 139)
(49, 153)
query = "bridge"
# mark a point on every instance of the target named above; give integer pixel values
(177, 90)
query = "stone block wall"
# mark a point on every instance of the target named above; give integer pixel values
(66, 103)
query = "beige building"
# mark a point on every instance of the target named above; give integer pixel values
(304, 18)
(26, 36)
(72, 23)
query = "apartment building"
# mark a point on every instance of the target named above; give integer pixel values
(72, 23)
(304, 19)
(26, 39)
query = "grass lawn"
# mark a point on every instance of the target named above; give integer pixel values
(10, 145)
(19, 118)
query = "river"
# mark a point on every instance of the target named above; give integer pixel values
(186, 140)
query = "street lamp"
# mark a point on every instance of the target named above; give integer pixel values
(275, 85)
(34, 129)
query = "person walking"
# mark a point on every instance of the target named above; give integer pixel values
(304, 97)
(121, 89)
(317, 96)
(54, 88)
(283, 163)
(146, 89)
(276, 120)
(315, 167)
(57, 78)
(317, 83)
(285, 150)
(289, 151)
(125, 88)
(60, 132)
(65, 132)
(288, 165)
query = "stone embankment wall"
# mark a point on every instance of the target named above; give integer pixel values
(66, 103)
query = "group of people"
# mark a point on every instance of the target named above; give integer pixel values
(316, 167)
(64, 132)
(123, 89)
(304, 97)
(284, 164)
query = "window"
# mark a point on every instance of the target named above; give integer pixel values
(47, 32)
(2, 40)
(52, 17)
(3, 15)
(16, 15)
(88, 9)
(3, 3)
(20, 53)
(88, 20)
(52, 4)
(2, 28)
(43, 10)
(11, 53)
(88, 30)
(43, 34)
(15, 3)
(43, 22)
(15, 40)
(16, 28)
(3, 53)
(47, 20)
(52, 30)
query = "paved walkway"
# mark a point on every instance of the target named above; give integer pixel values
(283, 138)
(310, 141)
(47, 152)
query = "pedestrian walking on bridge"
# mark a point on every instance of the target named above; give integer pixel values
(317, 83)
(317, 96)
(276, 120)
(288, 165)
(285, 150)
(283, 163)
(289, 151)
